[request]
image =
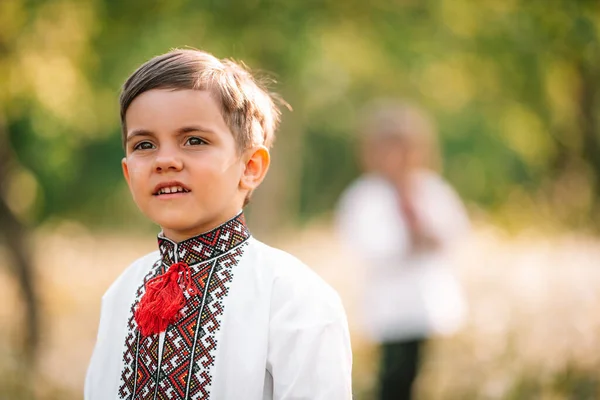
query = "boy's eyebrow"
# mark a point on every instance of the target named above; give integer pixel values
(138, 132)
(193, 128)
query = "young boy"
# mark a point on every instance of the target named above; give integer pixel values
(213, 313)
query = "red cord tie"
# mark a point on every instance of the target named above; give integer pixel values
(164, 299)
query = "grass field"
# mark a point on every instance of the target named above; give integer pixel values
(533, 330)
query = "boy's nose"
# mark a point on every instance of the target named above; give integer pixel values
(167, 162)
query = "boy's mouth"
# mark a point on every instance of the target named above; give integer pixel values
(170, 188)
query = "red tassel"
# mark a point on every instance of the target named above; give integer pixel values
(163, 300)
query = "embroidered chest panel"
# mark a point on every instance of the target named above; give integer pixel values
(183, 370)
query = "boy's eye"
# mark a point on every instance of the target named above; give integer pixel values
(143, 146)
(195, 141)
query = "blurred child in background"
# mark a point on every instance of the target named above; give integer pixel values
(400, 218)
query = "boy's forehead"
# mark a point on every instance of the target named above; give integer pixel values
(166, 108)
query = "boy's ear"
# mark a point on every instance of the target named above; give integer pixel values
(125, 169)
(255, 169)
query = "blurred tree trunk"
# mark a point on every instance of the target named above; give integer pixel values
(13, 236)
(588, 106)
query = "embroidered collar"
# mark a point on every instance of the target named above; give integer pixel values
(205, 246)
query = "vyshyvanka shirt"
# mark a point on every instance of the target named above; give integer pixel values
(256, 324)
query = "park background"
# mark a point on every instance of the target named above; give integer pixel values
(513, 85)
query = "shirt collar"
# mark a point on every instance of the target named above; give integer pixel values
(206, 245)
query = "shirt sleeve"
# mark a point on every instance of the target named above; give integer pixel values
(94, 371)
(310, 356)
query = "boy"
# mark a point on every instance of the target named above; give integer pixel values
(400, 218)
(213, 313)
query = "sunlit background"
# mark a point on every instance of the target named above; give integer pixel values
(514, 87)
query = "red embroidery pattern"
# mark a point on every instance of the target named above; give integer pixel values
(137, 375)
(184, 371)
(188, 355)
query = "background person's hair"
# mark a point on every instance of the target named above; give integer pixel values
(392, 119)
(247, 107)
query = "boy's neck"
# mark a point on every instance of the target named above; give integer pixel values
(180, 236)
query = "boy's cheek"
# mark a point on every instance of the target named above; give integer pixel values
(135, 168)
(134, 181)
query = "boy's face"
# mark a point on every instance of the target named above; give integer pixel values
(182, 164)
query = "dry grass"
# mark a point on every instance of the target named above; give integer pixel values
(533, 330)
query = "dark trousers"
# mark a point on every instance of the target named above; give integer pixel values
(398, 369)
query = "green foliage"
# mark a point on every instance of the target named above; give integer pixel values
(513, 85)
